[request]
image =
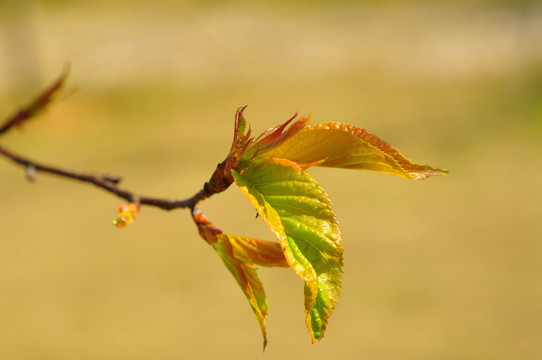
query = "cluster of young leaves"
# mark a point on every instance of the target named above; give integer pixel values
(271, 171)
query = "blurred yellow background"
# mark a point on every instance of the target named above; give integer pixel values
(446, 268)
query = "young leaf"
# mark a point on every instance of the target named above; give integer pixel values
(347, 146)
(126, 214)
(239, 254)
(298, 211)
(270, 170)
(257, 252)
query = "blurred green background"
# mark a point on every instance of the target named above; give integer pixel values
(446, 268)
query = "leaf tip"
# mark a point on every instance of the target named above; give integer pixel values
(264, 342)
(426, 171)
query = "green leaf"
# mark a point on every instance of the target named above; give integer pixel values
(299, 213)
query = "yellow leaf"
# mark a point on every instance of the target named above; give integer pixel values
(347, 146)
(240, 254)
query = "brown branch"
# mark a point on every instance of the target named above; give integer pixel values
(109, 183)
(37, 105)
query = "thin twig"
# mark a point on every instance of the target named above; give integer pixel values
(37, 105)
(109, 183)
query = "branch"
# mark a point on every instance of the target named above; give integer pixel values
(108, 183)
(37, 105)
